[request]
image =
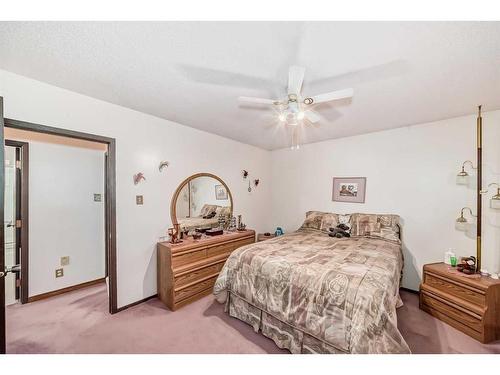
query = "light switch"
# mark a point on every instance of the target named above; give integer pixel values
(65, 261)
(139, 200)
(97, 197)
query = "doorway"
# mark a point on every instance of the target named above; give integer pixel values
(110, 209)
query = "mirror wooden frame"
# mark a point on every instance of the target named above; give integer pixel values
(173, 213)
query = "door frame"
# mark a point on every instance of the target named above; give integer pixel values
(110, 196)
(23, 240)
(2, 234)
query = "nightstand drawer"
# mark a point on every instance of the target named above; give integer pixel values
(461, 316)
(449, 286)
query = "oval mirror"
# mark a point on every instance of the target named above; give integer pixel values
(199, 202)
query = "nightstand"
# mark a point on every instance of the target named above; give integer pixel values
(471, 304)
(263, 237)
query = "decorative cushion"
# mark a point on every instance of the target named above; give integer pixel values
(313, 220)
(346, 220)
(322, 221)
(207, 209)
(329, 220)
(374, 225)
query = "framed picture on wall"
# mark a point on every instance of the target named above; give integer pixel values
(349, 189)
(220, 192)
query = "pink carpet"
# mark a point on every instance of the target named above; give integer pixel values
(78, 322)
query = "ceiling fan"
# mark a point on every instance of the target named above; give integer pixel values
(296, 107)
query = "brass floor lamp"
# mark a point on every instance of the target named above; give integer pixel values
(462, 179)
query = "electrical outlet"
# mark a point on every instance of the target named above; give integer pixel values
(139, 200)
(65, 261)
(59, 272)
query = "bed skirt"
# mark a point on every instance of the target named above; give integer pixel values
(283, 334)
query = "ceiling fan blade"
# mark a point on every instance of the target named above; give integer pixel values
(247, 99)
(313, 117)
(329, 96)
(295, 79)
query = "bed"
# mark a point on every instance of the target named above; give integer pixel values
(311, 293)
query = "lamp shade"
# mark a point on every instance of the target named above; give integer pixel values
(461, 223)
(462, 178)
(495, 202)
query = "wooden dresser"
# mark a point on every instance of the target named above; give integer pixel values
(187, 271)
(471, 305)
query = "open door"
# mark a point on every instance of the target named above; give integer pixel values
(2, 237)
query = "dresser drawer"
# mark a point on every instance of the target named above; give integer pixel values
(441, 305)
(227, 248)
(188, 291)
(197, 274)
(448, 286)
(189, 257)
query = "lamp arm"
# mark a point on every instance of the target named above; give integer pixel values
(467, 208)
(484, 191)
(468, 162)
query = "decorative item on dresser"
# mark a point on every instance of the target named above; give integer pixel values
(265, 236)
(471, 304)
(187, 271)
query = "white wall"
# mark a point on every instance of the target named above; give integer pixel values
(411, 172)
(142, 141)
(64, 219)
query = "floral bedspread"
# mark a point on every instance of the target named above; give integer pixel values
(342, 292)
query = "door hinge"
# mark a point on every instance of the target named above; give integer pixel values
(18, 223)
(18, 164)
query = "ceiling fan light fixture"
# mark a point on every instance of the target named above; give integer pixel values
(293, 111)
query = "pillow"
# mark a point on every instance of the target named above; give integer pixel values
(374, 225)
(313, 220)
(329, 220)
(207, 209)
(346, 220)
(322, 221)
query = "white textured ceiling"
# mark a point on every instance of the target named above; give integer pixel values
(402, 73)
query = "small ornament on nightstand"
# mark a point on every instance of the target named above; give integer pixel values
(467, 265)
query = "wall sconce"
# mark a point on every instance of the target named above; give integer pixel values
(461, 222)
(463, 176)
(495, 199)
